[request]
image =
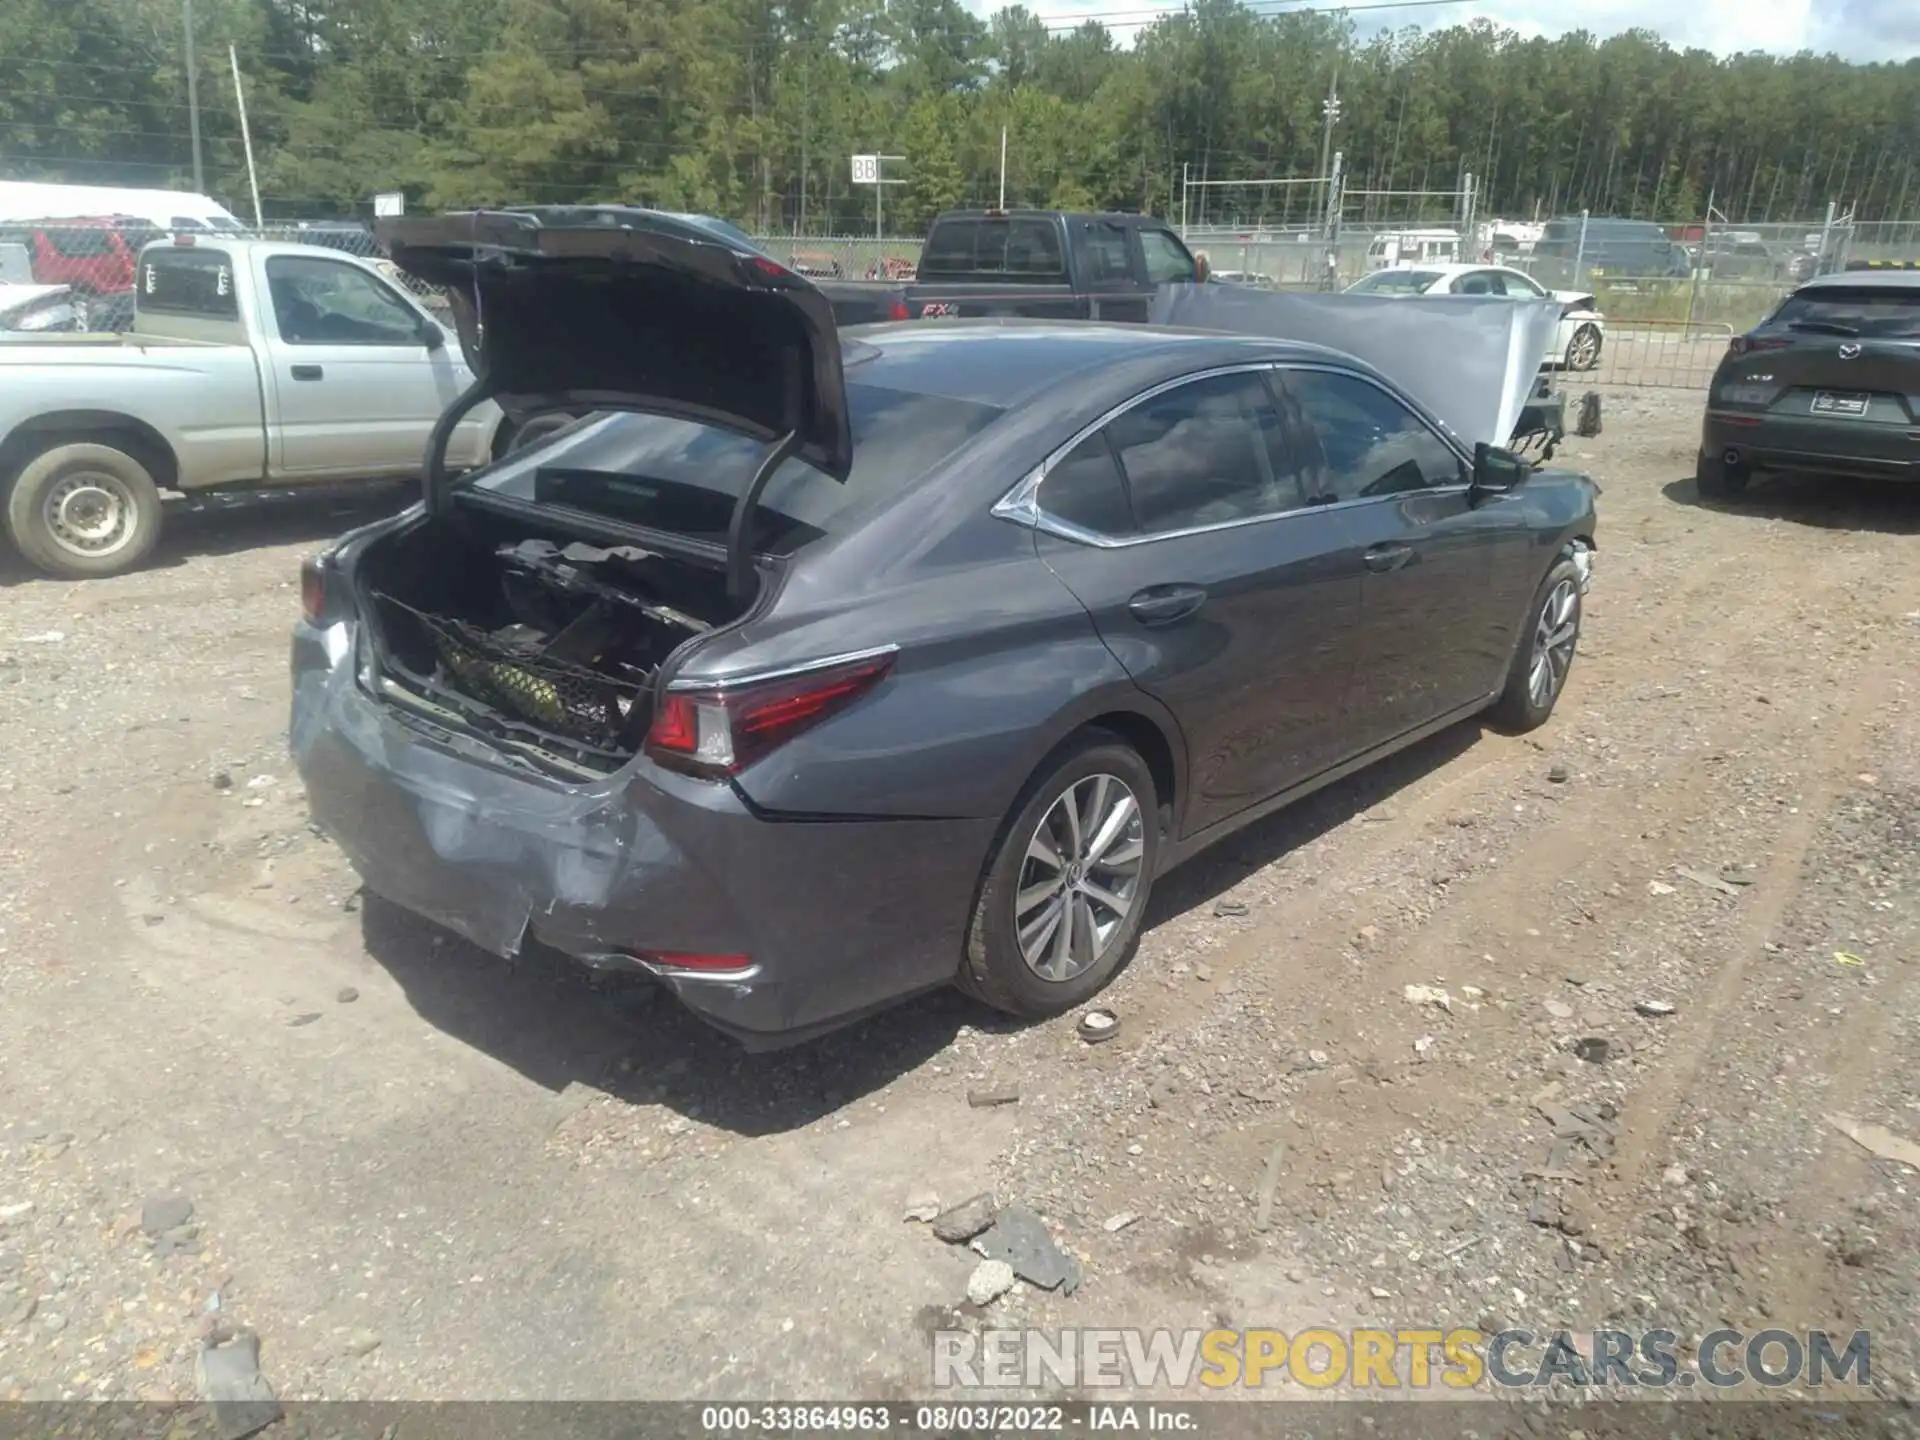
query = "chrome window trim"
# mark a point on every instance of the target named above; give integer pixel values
(782, 672)
(1021, 504)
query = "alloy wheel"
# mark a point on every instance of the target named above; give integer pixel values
(1555, 635)
(1080, 878)
(1584, 352)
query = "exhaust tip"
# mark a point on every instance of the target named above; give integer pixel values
(1731, 459)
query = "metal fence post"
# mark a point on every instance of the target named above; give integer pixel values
(1693, 293)
(1580, 251)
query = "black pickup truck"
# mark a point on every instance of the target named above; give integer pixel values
(1045, 264)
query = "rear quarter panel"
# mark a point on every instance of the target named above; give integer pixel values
(997, 664)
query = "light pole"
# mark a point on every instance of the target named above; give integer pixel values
(193, 99)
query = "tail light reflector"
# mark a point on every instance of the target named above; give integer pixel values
(1746, 344)
(898, 311)
(689, 960)
(721, 730)
(313, 589)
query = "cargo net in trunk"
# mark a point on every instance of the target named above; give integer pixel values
(516, 670)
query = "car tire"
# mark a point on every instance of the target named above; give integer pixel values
(1715, 481)
(1583, 349)
(1525, 701)
(83, 510)
(996, 969)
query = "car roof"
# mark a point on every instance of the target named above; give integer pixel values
(1005, 363)
(1864, 280)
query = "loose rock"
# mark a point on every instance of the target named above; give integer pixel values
(347, 995)
(237, 1393)
(990, 1280)
(1654, 1009)
(988, 1097)
(362, 1342)
(922, 1206)
(1229, 909)
(1020, 1238)
(1113, 1224)
(961, 1223)
(303, 1019)
(164, 1213)
(1559, 774)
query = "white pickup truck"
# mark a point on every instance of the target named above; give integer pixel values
(250, 364)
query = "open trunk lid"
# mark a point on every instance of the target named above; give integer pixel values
(662, 317)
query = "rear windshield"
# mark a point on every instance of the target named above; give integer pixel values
(683, 477)
(1893, 314)
(182, 281)
(1397, 282)
(1023, 246)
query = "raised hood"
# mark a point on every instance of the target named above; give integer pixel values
(1470, 359)
(656, 316)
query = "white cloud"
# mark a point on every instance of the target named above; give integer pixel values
(1858, 29)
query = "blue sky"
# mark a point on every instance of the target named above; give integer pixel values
(1858, 29)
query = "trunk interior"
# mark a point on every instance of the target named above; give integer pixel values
(534, 636)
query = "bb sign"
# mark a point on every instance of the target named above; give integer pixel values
(866, 169)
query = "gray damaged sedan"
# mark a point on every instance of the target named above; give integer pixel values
(814, 670)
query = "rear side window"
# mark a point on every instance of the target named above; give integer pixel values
(1085, 489)
(1028, 247)
(683, 477)
(188, 282)
(1105, 248)
(1889, 314)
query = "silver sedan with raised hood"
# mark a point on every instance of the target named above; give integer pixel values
(814, 670)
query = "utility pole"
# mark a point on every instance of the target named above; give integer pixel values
(193, 99)
(1330, 109)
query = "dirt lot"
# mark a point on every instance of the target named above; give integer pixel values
(415, 1171)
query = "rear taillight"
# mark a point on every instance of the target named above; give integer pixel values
(723, 729)
(1747, 344)
(313, 589)
(898, 311)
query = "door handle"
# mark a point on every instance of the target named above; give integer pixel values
(307, 372)
(1384, 558)
(1164, 604)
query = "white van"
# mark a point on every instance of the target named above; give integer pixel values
(174, 211)
(1414, 247)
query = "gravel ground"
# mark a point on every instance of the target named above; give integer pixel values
(1661, 944)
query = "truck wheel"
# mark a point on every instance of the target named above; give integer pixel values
(83, 510)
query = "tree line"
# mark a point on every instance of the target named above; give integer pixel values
(750, 109)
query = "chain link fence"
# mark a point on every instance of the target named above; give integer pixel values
(96, 258)
(1666, 323)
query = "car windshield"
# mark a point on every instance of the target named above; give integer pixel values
(1397, 282)
(1891, 314)
(683, 477)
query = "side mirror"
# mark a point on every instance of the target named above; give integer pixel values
(1496, 471)
(431, 335)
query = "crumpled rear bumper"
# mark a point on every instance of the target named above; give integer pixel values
(838, 918)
